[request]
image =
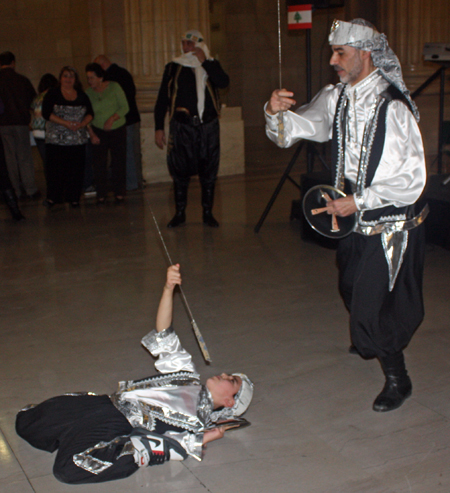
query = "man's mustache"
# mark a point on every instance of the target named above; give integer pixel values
(337, 67)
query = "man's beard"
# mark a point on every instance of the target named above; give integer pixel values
(353, 74)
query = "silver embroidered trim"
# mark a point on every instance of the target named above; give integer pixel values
(394, 246)
(340, 165)
(143, 414)
(128, 449)
(205, 406)
(91, 464)
(375, 228)
(76, 394)
(27, 407)
(384, 219)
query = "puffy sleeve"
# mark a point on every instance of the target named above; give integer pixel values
(166, 347)
(312, 121)
(401, 174)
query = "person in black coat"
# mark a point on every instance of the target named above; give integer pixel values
(189, 90)
(133, 120)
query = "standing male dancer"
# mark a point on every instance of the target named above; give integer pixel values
(376, 147)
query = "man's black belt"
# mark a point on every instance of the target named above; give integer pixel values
(182, 115)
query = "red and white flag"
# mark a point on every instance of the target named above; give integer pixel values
(300, 16)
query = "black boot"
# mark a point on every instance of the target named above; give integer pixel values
(207, 204)
(11, 201)
(398, 385)
(179, 218)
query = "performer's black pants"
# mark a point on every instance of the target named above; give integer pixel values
(116, 142)
(73, 424)
(381, 322)
(192, 150)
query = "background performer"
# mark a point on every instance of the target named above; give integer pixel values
(189, 91)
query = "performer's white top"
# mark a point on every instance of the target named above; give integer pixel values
(401, 174)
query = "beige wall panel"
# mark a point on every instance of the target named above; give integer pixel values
(409, 24)
(45, 34)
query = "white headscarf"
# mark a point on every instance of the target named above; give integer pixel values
(359, 34)
(190, 60)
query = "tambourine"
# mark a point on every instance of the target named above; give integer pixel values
(315, 212)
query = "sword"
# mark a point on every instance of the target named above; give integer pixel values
(280, 138)
(198, 334)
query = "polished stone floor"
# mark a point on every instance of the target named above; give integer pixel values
(79, 288)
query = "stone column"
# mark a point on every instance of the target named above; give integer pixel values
(153, 32)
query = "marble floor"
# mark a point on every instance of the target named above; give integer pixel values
(80, 288)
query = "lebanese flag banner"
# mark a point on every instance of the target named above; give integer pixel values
(300, 16)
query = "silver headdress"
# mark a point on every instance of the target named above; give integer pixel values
(359, 34)
(242, 400)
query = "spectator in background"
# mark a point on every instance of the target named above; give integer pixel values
(107, 132)
(5, 183)
(133, 119)
(37, 120)
(17, 94)
(68, 111)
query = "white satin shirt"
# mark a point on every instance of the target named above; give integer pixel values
(401, 174)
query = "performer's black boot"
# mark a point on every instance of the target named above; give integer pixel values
(207, 204)
(11, 201)
(179, 218)
(398, 385)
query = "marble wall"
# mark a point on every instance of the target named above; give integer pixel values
(45, 35)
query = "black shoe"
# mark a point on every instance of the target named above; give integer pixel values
(209, 219)
(48, 203)
(352, 350)
(395, 391)
(119, 199)
(35, 196)
(398, 385)
(177, 220)
(11, 201)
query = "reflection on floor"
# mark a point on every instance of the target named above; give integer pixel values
(80, 288)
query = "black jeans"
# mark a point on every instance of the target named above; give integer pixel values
(65, 172)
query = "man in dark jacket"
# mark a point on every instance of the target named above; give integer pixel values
(189, 90)
(133, 120)
(17, 93)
